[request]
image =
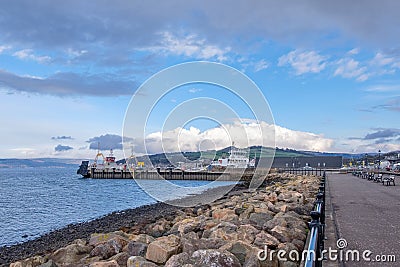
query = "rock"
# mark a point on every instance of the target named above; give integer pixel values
(135, 248)
(247, 233)
(49, 263)
(190, 245)
(264, 239)
(33, 261)
(108, 249)
(111, 263)
(259, 219)
(221, 214)
(284, 208)
(224, 230)
(186, 226)
(215, 258)
(281, 233)
(163, 248)
(137, 261)
(240, 249)
(97, 238)
(178, 260)
(143, 238)
(70, 254)
(121, 258)
(159, 228)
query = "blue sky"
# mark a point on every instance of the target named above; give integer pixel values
(68, 70)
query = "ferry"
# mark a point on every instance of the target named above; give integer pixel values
(108, 164)
(238, 159)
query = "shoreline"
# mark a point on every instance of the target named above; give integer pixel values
(114, 221)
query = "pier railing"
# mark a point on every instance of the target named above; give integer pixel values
(317, 229)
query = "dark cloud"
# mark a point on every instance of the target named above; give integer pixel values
(382, 134)
(66, 84)
(136, 24)
(62, 137)
(61, 148)
(106, 142)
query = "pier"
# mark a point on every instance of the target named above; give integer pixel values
(173, 174)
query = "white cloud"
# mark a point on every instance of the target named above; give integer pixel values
(303, 62)
(350, 68)
(190, 46)
(243, 134)
(4, 48)
(354, 51)
(261, 65)
(383, 88)
(28, 54)
(382, 60)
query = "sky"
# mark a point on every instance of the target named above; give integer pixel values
(329, 71)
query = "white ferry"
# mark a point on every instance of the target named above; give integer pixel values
(238, 158)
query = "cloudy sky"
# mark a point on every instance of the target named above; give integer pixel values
(68, 69)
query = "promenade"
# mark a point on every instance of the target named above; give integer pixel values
(366, 215)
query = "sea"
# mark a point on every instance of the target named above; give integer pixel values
(34, 201)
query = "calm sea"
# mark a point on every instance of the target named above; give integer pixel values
(34, 201)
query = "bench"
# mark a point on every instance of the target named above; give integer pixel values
(378, 178)
(388, 180)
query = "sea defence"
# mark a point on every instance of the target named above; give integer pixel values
(233, 231)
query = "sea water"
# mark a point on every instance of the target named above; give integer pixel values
(34, 201)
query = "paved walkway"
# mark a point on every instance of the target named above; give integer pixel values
(366, 215)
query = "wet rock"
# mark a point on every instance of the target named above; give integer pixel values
(163, 248)
(216, 258)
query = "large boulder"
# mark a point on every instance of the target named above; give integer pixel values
(264, 239)
(190, 245)
(137, 261)
(100, 238)
(259, 219)
(215, 258)
(109, 248)
(135, 248)
(111, 263)
(178, 260)
(163, 248)
(33, 261)
(247, 233)
(224, 230)
(70, 255)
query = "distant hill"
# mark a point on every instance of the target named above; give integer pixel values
(38, 162)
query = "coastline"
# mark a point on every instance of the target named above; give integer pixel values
(231, 231)
(114, 221)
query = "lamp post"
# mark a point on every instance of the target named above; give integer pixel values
(379, 160)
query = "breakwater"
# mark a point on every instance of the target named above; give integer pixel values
(230, 231)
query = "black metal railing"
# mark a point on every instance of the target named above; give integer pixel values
(317, 229)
